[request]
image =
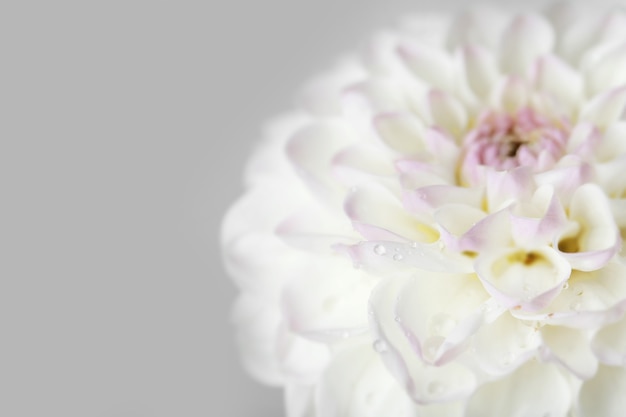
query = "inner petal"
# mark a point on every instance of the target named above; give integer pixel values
(503, 141)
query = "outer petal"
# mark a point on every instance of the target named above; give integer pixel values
(481, 69)
(527, 38)
(570, 348)
(558, 79)
(356, 384)
(401, 132)
(605, 108)
(600, 396)
(432, 65)
(534, 390)
(322, 307)
(609, 344)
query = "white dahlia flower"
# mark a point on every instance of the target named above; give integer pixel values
(438, 232)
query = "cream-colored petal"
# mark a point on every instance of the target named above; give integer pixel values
(570, 348)
(526, 38)
(601, 395)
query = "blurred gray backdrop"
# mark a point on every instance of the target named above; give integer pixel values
(124, 129)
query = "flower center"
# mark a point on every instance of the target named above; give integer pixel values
(504, 141)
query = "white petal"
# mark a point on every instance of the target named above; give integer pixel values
(426, 199)
(468, 229)
(440, 312)
(520, 279)
(504, 345)
(602, 395)
(377, 214)
(570, 348)
(588, 301)
(426, 384)
(607, 70)
(526, 39)
(481, 69)
(299, 400)
(534, 390)
(356, 384)
(609, 344)
(401, 132)
(432, 65)
(563, 83)
(388, 257)
(448, 113)
(512, 94)
(605, 108)
(362, 163)
(326, 299)
(481, 25)
(612, 143)
(311, 151)
(594, 239)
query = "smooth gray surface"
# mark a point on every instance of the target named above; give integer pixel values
(125, 126)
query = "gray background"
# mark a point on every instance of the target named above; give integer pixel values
(124, 129)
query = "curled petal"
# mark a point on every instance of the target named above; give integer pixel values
(594, 238)
(439, 312)
(465, 229)
(429, 198)
(424, 383)
(535, 224)
(521, 279)
(377, 214)
(609, 344)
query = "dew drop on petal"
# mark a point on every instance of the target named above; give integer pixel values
(380, 250)
(436, 388)
(441, 324)
(398, 257)
(431, 346)
(566, 285)
(575, 305)
(380, 346)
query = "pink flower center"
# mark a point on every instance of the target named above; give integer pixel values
(504, 141)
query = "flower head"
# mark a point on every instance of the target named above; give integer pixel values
(439, 231)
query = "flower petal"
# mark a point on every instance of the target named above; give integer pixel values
(562, 82)
(521, 279)
(605, 108)
(526, 38)
(433, 65)
(599, 395)
(401, 132)
(377, 214)
(481, 69)
(549, 394)
(356, 384)
(609, 344)
(570, 348)
(448, 113)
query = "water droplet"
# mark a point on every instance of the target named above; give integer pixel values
(380, 250)
(441, 324)
(431, 346)
(380, 346)
(436, 388)
(440, 245)
(398, 319)
(398, 257)
(575, 305)
(526, 288)
(566, 285)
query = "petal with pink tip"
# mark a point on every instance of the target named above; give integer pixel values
(523, 279)
(439, 312)
(425, 384)
(526, 38)
(382, 213)
(593, 238)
